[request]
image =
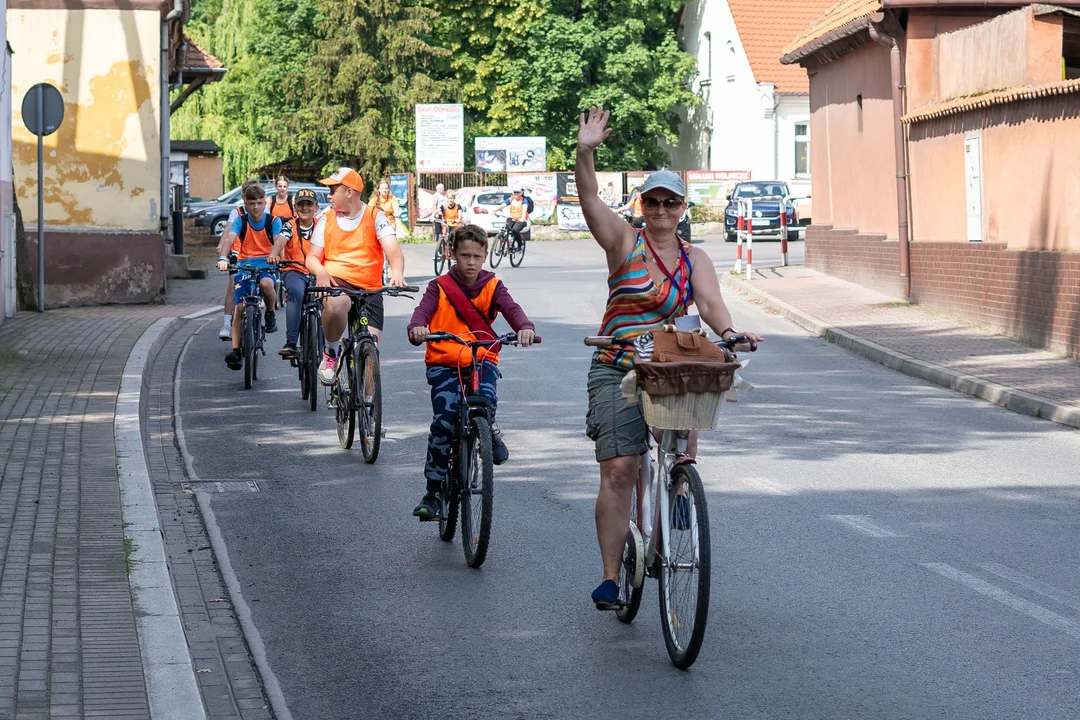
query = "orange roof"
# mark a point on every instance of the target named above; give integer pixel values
(764, 26)
(988, 99)
(836, 17)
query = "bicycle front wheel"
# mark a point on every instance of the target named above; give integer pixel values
(345, 409)
(247, 345)
(312, 355)
(686, 573)
(477, 492)
(369, 400)
(517, 252)
(440, 256)
(498, 250)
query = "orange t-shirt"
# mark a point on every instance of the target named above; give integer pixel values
(446, 319)
(355, 256)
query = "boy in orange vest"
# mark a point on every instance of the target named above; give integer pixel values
(437, 313)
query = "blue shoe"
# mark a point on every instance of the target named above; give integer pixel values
(606, 596)
(681, 513)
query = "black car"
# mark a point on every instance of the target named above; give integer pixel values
(215, 214)
(767, 196)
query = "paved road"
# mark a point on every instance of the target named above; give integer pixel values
(883, 548)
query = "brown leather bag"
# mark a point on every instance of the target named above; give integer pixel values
(682, 346)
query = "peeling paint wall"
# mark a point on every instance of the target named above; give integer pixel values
(103, 166)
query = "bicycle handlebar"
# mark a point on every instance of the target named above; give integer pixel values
(735, 343)
(507, 339)
(391, 291)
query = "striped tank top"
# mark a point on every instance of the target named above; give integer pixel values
(636, 304)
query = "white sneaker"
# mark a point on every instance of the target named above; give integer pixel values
(328, 369)
(225, 333)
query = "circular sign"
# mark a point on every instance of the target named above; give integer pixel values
(51, 104)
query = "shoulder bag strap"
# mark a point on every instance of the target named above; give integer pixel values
(464, 308)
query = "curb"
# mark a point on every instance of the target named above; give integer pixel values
(1004, 396)
(171, 687)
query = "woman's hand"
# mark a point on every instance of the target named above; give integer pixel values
(592, 128)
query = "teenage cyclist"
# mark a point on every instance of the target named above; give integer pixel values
(294, 244)
(633, 205)
(518, 208)
(348, 249)
(385, 201)
(280, 204)
(449, 215)
(255, 233)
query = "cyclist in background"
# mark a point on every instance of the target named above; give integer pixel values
(280, 204)
(633, 206)
(449, 215)
(518, 207)
(348, 249)
(294, 244)
(255, 233)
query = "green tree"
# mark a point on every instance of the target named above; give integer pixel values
(373, 61)
(263, 43)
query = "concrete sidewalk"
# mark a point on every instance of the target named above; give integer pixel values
(920, 342)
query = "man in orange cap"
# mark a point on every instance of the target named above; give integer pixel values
(348, 249)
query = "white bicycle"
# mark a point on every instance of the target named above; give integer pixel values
(668, 538)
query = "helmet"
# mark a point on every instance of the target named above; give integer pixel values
(517, 188)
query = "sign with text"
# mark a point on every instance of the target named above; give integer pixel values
(571, 218)
(440, 138)
(609, 186)
(711, 187)
(511, 154)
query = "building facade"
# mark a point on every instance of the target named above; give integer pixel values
(945, 157)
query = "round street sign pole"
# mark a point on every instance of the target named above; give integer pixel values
(42, 112)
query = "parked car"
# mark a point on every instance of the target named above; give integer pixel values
(768, 196)
(682, 229)
(480, 204)
(216, 215)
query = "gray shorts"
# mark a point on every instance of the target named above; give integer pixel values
(617, 427)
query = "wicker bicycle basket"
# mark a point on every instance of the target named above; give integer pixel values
(683, 395)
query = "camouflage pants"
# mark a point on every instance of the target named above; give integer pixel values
(445, 396)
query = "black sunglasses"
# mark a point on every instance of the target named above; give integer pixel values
(669, 203)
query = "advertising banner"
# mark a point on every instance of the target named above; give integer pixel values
(399, 188)
(610, 188)
(542, 188)
(570, 218)
(440, 138)
(711, 187)
(511, 154)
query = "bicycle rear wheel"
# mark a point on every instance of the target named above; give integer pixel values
(247, 345)
(310, 360)
(632, 578)
(345, 410)
(685, 575)
(517, 252)
(369, 399)
(440, 256)
(498, 249)
(477, 492)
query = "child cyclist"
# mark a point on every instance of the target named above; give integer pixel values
(440, 311)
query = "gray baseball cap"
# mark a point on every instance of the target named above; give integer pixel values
(664, 179)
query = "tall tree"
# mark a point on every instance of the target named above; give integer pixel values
(373, 62)
(263, 43)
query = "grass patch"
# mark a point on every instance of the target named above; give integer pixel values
(129, 554)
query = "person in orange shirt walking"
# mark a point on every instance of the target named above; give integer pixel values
(437, 312)
(348, 249)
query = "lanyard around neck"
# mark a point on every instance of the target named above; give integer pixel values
(683, 289)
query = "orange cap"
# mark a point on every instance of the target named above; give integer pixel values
(347, 177)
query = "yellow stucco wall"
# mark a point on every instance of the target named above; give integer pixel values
(103, 166)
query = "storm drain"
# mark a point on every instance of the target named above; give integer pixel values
(220, 486)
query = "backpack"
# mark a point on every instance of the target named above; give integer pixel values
(289, 202)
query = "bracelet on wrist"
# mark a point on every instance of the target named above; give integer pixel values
(731, 330)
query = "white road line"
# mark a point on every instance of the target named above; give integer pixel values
(201, 313)
(1038, 612)
(1044, 589)
(765, 484)
(865, 525)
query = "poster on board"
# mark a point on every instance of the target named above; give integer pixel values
(711, 187)
(399, 188)
(609, 187)
(440, 138)
(542, 188)
(511, 154)
(571, 217)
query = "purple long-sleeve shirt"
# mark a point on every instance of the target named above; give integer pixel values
(501, 302)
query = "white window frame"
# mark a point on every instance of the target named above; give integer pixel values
(804, 138)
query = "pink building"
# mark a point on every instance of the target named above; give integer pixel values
(946, 154)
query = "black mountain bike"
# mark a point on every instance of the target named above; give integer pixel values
(470, 475)
(309, 342)
(252, 333)
(442, 246)
(506, 244)
(357, 389)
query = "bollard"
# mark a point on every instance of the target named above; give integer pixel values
(749, 237)
(783, 232)
(740, 226)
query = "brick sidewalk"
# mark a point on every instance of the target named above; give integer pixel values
(921, 334)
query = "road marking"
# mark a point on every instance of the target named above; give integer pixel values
(1038, 612)
(865, 525)
(1044, 589)
(200, 313)
(765, 484)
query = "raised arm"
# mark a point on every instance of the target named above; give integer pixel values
(611, 233)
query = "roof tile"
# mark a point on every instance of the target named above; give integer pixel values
(198, 59)
(764, 27)
(836, 17)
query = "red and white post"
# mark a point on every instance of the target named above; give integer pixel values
(749, 238)
(783, 232)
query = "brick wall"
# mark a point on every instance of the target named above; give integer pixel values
(1033, 295)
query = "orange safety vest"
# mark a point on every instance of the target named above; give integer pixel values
(252, 243)
(517, 209)
(388, 206)
(446, 319)
(636, 206)
(283, 210)
(297, 248)
(451, 215)
(354, 256)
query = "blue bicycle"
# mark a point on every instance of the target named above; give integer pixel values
(252, 333)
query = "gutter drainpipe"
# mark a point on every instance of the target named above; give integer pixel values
(901, 156)
(163, 210)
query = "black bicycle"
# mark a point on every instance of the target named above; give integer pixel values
(252, 333)
(442, 246)
(357, 389)
(470, 474)
(309, 341)
(506, 244)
